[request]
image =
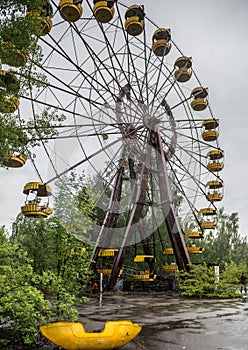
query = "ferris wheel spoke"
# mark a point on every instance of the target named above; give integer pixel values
(86, 159)
(111, 52)
(128, 40)
(90, 80)
(179, 186)
(146, 63)
(83, 116)
(97, 61)
(129, 124)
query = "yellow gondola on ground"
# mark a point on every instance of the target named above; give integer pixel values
(104, 10)
(106, 259)
(70, 10)
(145, 276)
(107, 271)
(73, 336)
(170, 265)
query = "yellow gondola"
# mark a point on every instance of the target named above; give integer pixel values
(14, 161)
(41, 17)
(199, 95)
(161, 45)
(134, 24)
(195, 250)
(207, 215)
(214, 190)
(105, 263)
(9, 82)
(13, 56)
(34, 207)
(9, 85)
(41, 189)
(214, 163)
(211, 133)
(107, 271)
(170, 268)
(107, 252)
(194, 235)
(207, 211)
(34, 210)
(208, 225)
(9, 105)
(44, 24)
(70, 10)
(73, 336)
(169, 251)
(183, 72)
(104, 10)
(144, 274)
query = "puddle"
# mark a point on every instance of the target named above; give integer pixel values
(172, 323)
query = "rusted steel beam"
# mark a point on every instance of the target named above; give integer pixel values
(111, 214)
(173, 227)
(135, 217)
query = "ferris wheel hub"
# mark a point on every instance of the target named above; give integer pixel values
(150, 121)
(131, 131)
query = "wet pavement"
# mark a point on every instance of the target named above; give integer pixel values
(172, 323)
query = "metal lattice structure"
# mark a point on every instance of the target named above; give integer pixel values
(137, 118)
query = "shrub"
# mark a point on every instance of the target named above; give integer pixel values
(201, 281)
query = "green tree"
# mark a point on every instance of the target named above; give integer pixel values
(20, 31)
(202, 282)
(60, 244)
(22, 295)
(225, 243)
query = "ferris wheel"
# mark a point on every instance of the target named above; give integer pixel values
(137, 118)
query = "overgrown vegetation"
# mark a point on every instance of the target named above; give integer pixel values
(202, 281)
(21, 56)
(26, 298)
(43, 270)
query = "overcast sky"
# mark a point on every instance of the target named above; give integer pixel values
(214, 34)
